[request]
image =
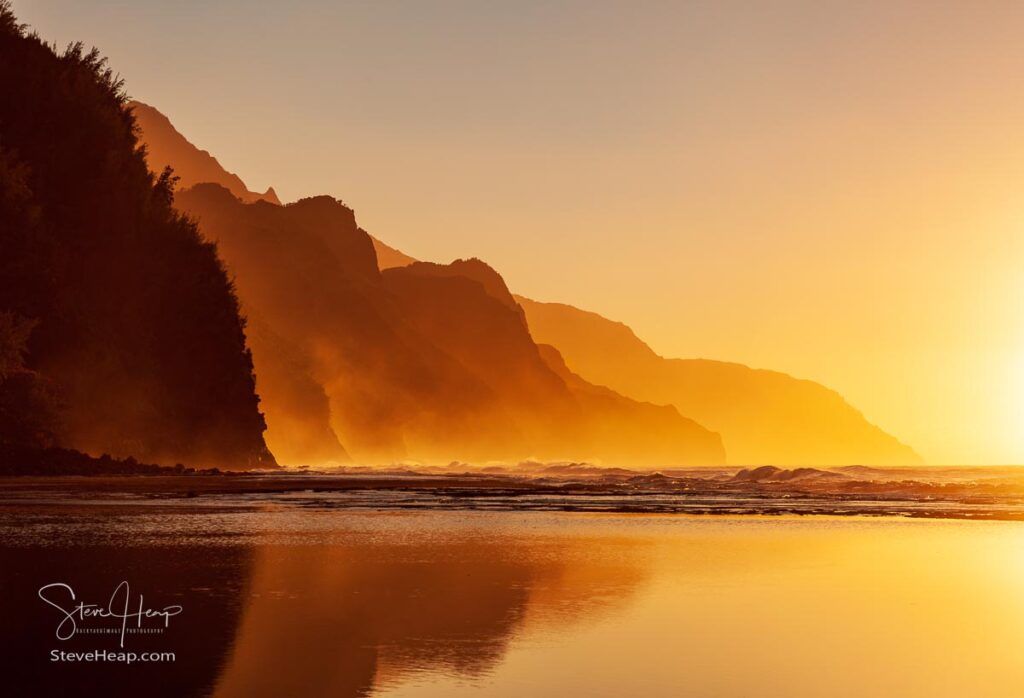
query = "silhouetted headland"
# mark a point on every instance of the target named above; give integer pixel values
(120, 331)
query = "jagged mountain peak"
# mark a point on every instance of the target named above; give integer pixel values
(165, 145)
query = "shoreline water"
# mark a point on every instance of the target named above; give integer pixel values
(283, 599)
(717, 495)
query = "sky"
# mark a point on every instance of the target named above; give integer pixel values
(830, 189)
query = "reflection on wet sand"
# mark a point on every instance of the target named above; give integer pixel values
(340, 620)
(209, 587)
(285, 600)
(300, 603)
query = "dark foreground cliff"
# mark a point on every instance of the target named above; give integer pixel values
(119, 330)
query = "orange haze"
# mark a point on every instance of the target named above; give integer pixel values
(833, 190)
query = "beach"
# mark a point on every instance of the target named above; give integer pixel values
(280, 597)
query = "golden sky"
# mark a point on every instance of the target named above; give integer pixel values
(835, 190)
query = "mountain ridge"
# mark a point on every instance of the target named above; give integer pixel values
(752, 408)
(164, 145)
(425, 362)
(756, 410)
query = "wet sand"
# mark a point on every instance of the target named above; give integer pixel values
(283, 599)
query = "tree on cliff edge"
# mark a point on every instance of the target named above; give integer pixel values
(134, 322)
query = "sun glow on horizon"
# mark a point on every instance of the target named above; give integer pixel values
(817, 189)
(1016, 409)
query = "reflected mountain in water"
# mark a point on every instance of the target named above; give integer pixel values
(336, 621)
(331, 607)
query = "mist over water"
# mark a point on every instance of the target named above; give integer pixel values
(250, 450)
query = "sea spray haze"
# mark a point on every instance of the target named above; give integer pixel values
(427, 362)
(387, 356)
